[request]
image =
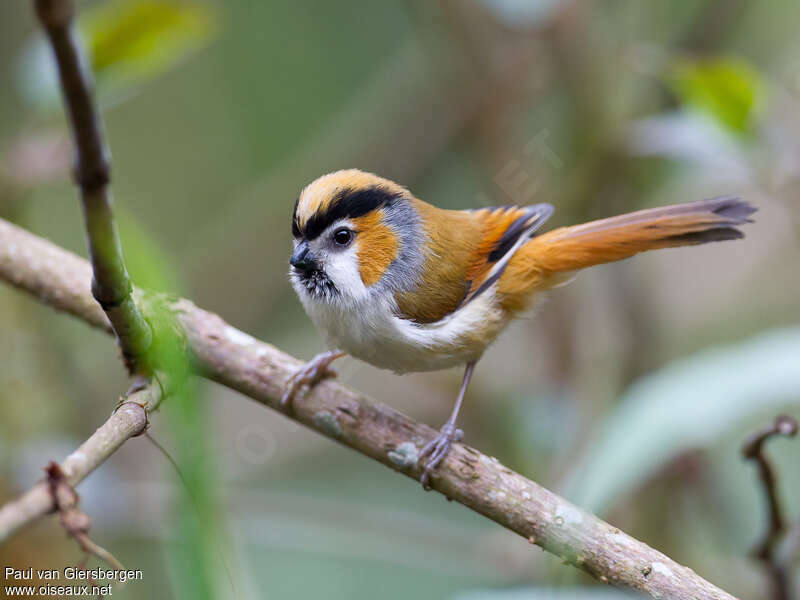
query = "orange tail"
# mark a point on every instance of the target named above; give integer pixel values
(607, 240)
(542, 262)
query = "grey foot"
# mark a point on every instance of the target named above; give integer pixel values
(437, 449)
(317, 369)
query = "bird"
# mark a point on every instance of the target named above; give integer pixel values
(406, 286)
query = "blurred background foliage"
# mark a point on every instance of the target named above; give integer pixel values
(630, 393)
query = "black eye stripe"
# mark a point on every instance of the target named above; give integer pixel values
(347, 204)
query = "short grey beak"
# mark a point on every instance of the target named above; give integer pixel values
(302, 259)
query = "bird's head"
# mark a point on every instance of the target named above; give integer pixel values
(355, 235)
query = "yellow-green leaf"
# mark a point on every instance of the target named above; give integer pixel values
(138, 39)
(728, 90)
(128, 42)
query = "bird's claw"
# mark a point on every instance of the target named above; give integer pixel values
(437, 449)
(314, 371)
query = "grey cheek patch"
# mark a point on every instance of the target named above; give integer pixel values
(405, 272)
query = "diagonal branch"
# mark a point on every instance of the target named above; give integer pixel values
(260, 371)
(111, 286)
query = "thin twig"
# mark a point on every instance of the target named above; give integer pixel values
(111, 285)
(129, 420)
(479, 482)
(765, 550)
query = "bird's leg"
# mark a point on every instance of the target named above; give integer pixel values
(314, 371)
(439, 446)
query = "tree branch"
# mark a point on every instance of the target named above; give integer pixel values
(111, 286)
(260, 371)
(129, 420)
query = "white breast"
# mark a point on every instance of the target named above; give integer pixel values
(370, 331)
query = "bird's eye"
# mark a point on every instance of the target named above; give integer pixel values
(342, 236)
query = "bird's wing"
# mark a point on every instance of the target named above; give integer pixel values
(467, 252)
(507, 230)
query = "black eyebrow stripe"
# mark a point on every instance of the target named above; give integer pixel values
(295, 227)
(349, 203)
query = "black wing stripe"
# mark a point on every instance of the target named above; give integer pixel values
(510, 237)
(524, 229)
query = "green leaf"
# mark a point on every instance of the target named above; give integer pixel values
(686, 405)
(135, 40)
(128, 42)
(726, 89)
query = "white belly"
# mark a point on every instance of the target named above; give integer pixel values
(371, 332)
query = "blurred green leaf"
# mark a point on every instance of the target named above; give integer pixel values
(196, 556)
(685, 405)
(146, 262)
(726, 89)
(129, 42)
(135, 40)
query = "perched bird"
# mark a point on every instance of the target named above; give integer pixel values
(406, 286)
